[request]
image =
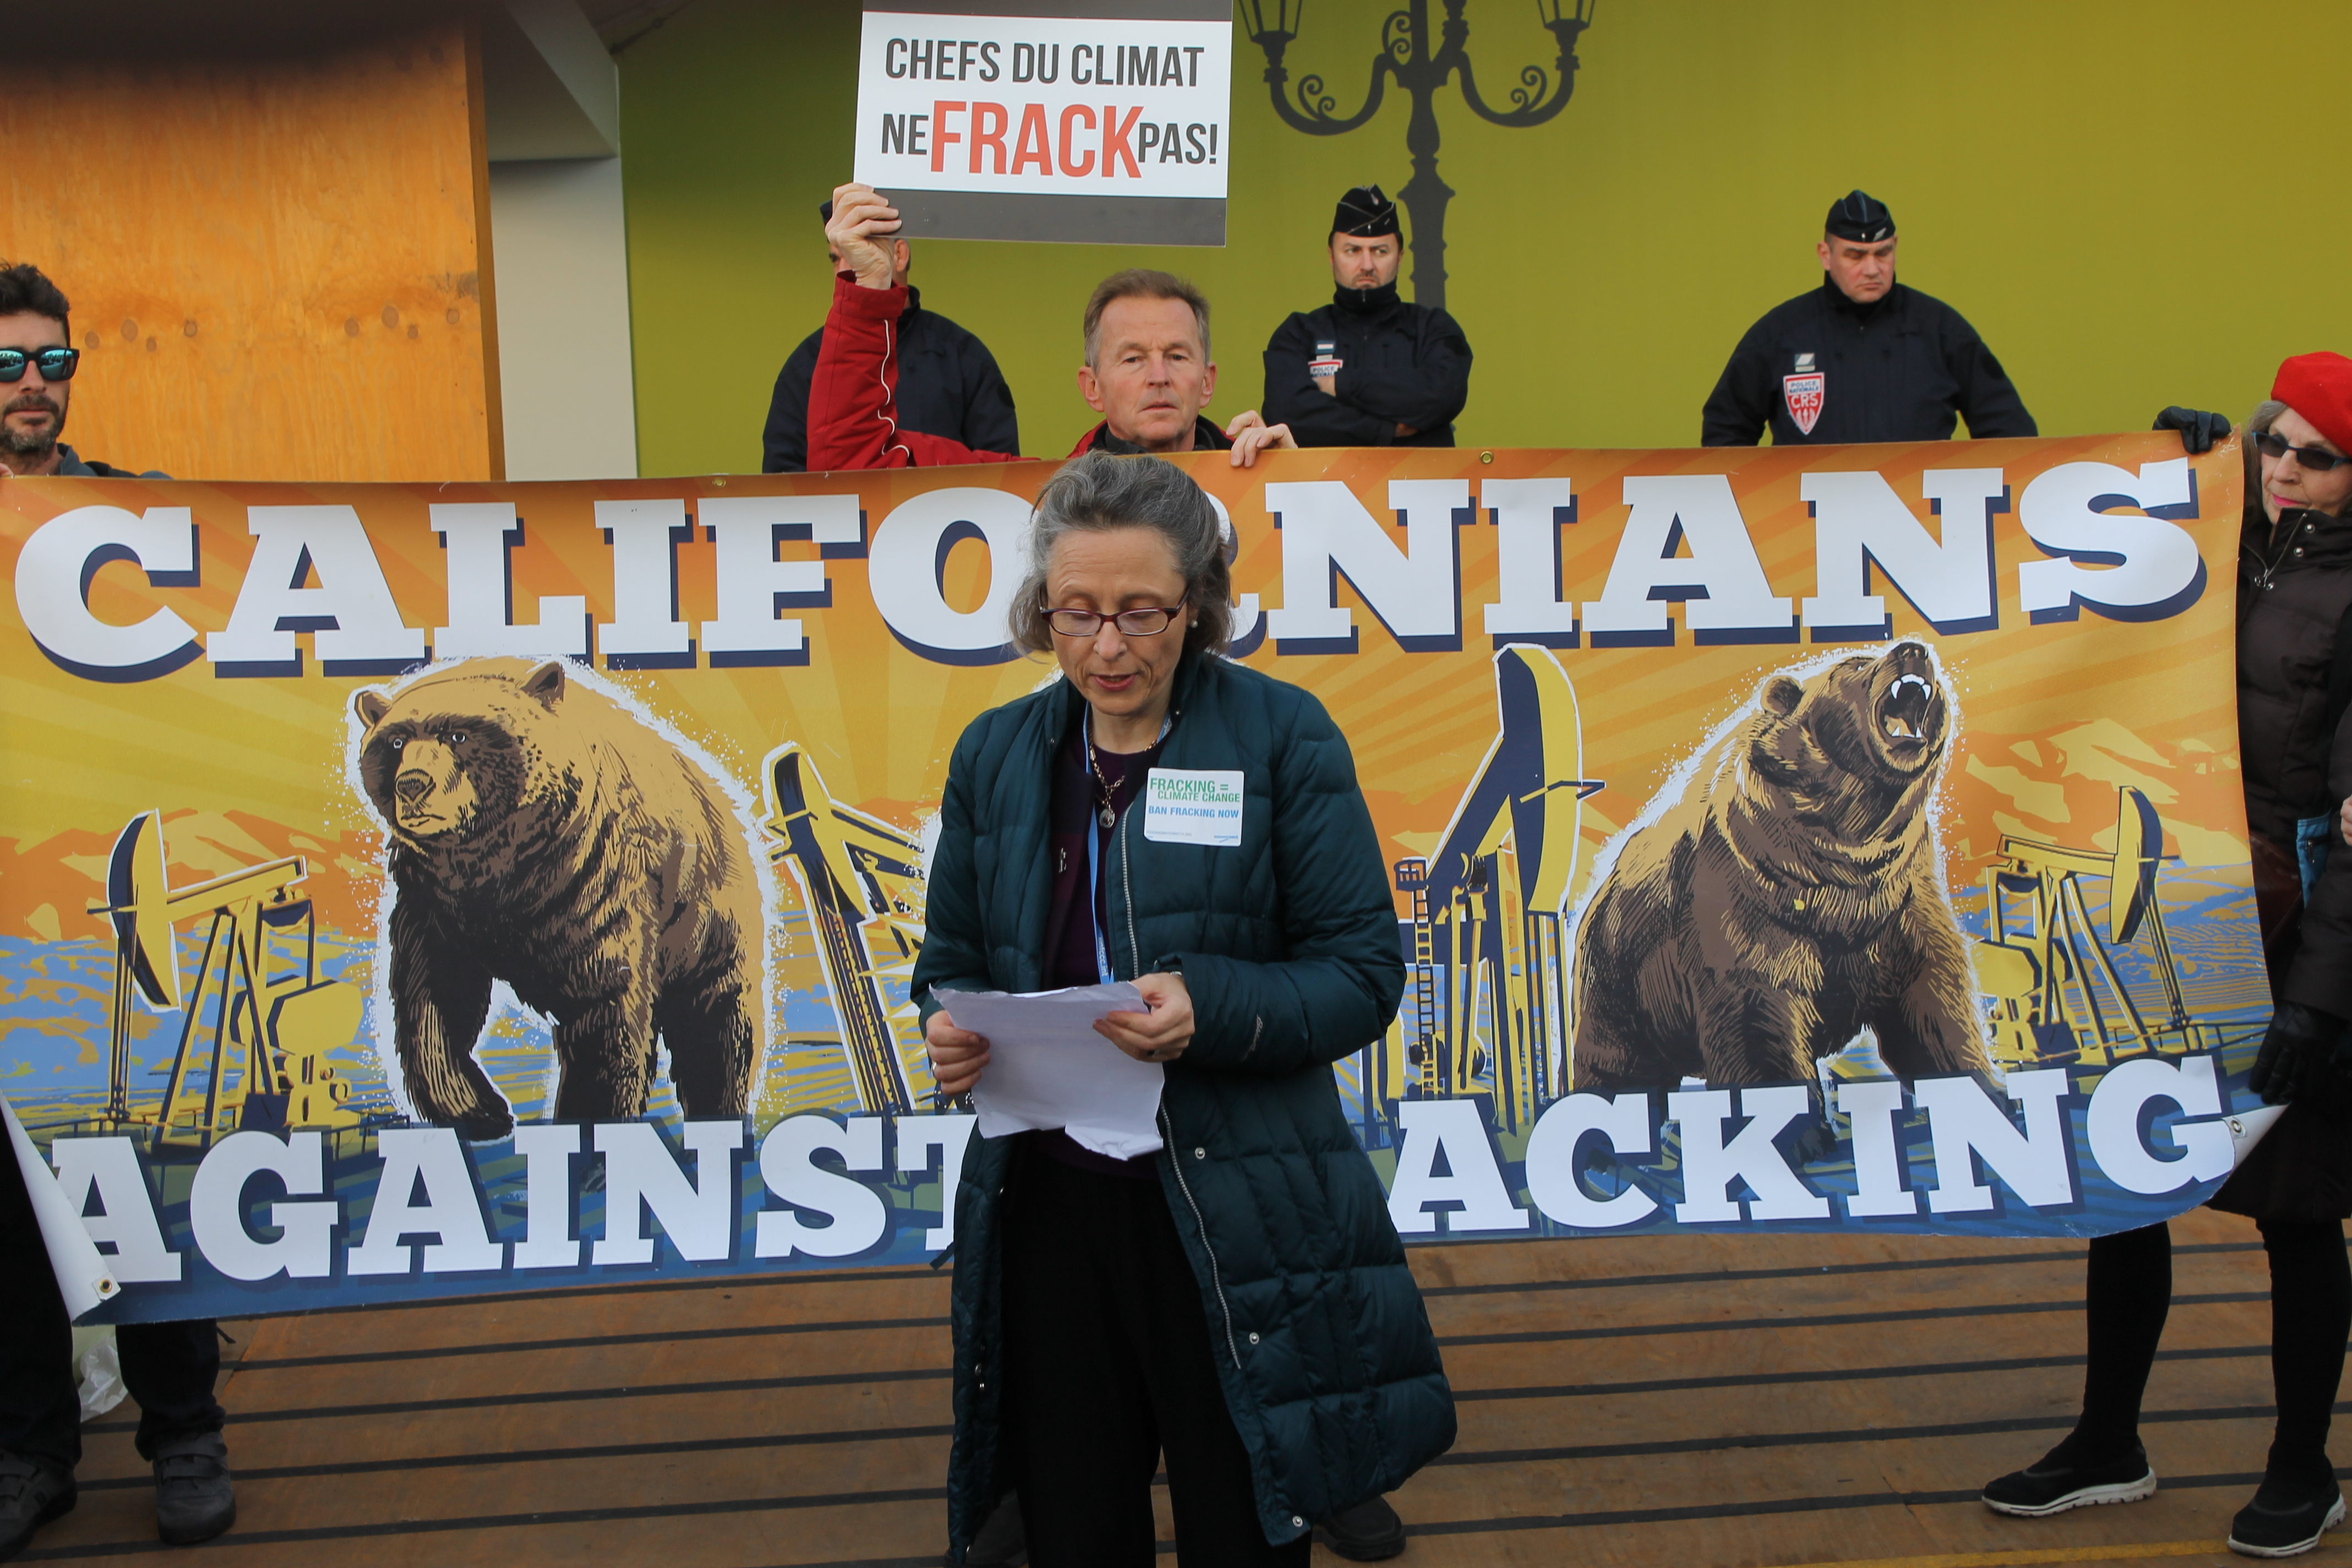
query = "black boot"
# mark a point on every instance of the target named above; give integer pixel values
(1002, 1542)
(1368, 1532)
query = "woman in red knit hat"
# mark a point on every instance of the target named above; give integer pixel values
(2295, 683)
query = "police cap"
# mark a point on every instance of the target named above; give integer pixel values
(1857, 216)
(1365, 213)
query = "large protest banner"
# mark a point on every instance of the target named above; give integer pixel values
(1782, 840)
(1081, 121)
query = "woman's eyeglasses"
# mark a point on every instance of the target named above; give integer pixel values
(2273, 446)
(57, 365)
(1144, 623)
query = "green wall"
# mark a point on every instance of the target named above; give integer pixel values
(2136, 203)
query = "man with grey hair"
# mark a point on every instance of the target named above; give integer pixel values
(1147, 371)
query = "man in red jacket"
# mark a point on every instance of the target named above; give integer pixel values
(1148, 369)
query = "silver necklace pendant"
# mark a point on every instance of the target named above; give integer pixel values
(1107, 819)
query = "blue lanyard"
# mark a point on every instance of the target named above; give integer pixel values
(1094, 861)
(1094, 886)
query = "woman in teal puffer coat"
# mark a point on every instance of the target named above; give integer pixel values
(1238, 1298)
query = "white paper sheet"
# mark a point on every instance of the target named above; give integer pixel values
(83, 1277)
(1048, 1068)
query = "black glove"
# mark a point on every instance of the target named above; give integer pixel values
(2297, 1055)
(2199, 430)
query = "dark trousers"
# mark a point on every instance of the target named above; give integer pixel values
(2130, 1291)
(1108, 1367)
(169, 1368)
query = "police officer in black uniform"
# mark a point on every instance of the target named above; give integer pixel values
(1861, 358)
(948, 382)
(1367, 370)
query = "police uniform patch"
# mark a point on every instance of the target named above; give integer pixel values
(1327, 361)
(1805, 390)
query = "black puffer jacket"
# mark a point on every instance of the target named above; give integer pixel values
(1289, 945)
(2294, 583)
(2295, 592)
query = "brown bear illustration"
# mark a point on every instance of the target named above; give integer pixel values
(542, 834)
(1791, 898)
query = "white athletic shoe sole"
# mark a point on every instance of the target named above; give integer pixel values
(2335, 1516)
(2085, 1497)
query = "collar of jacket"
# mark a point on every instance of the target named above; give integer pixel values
(1377, 302)
(1886, 304)
(1206, 437)
(71, 464)
(914, 303)
(1179, 693)
(2326, 541)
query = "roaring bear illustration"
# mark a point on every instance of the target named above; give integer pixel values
(1792, 897)
(542, 834)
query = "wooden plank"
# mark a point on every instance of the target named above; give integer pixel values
(1706, 1401)
(278, 262)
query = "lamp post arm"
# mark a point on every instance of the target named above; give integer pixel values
(1532, 101)
(1313, 112)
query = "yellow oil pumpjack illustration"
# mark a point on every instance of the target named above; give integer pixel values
(1490, 969)
(273, 1019)
(2045, 977)
(861, 880)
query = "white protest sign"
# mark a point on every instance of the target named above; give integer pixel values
(1111, 127)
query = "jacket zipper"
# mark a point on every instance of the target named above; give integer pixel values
(1168, 1128)
(2272, 564)
(1216, 1275)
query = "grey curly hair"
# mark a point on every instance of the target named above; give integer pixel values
(1101, 492)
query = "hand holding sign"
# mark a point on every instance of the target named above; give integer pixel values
(861, 230)
(1251, 435)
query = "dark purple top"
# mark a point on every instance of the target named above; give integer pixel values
(1070, 926)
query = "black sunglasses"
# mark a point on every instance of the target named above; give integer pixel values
(57, 365)
(2273, 445)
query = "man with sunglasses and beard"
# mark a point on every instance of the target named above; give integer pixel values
(37, 360)
(169, 1368)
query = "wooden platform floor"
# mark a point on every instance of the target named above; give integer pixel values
(1688, 1402)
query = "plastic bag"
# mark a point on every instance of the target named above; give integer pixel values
(97, 1367)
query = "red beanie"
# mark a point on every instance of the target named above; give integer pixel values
(2319, 387)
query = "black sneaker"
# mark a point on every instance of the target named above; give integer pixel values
(1368, 1532)
(31, 1494)
(194, 1499)
(2059, 1481)
(2286, 1518)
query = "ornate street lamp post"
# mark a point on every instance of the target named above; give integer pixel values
(1405, 54)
